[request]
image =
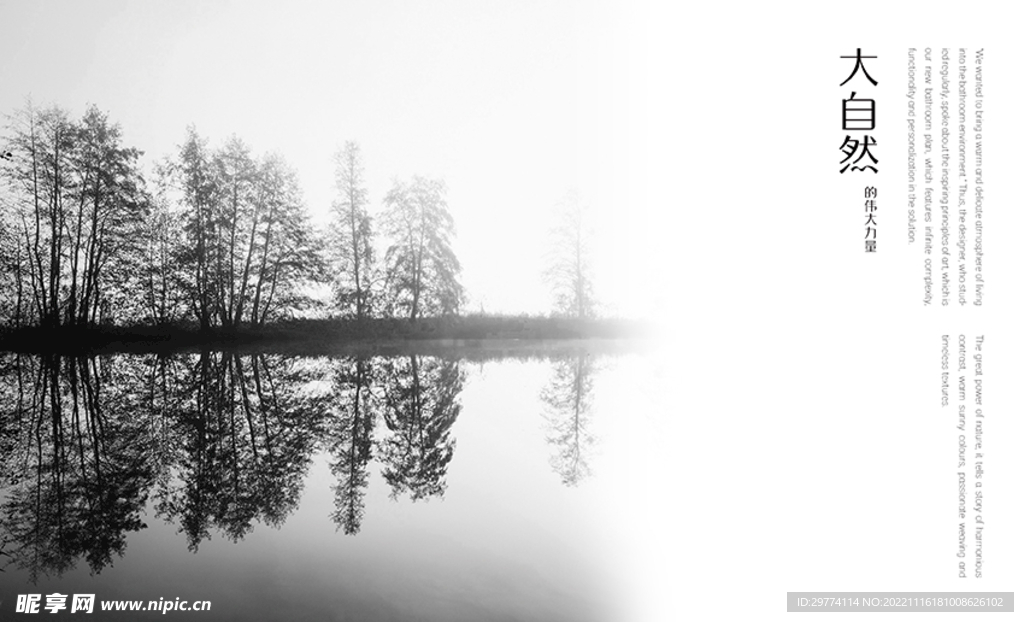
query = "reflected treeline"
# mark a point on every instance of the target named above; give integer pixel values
(221, 442)
(416, 397)
(240, 432)
(76, 462)
(567, 399)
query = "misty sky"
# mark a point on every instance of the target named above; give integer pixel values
(512, 103)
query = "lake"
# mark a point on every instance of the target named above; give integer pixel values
(442, 483)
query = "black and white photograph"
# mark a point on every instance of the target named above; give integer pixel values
(471, 311)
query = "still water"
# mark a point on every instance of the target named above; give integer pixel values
(463, 484)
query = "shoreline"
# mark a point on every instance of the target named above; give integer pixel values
(376, 334)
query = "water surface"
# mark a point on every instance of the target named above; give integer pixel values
(462, 484)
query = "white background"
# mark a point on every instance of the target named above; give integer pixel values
(817, 457)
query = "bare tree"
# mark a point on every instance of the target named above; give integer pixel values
(569, 271)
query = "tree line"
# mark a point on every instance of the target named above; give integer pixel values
(216, 236)
(220, 237)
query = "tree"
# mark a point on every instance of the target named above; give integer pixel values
(104, 242)
(13, 265)
(163, 278)
(250, 249)
(77, 205)
(236, 222)
(422, 269)
(352, 233)
(194, 176)
(569, 269)
(40, 180)
(290, 253)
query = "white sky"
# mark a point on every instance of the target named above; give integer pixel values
(512, 103)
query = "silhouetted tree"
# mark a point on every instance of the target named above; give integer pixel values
(105, 225)
(13, 267)
(76, 204)
(290, 253)
(163, 279)
(194, 176)
(422, 269)
(352, 242)
(250, 249)
(235, 225)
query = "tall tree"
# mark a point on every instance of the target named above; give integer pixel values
(77, 201)
(13, 266)
(422, 269)
(289, 252)
(110, 209)
(352, 233)
(162, 279)
(250, 249)
(235, 222)
(195, 181)
(40, 179)
(569, 269)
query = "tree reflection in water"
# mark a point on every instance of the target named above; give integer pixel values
(349, 438)
(416, 397)
(567, 402)
(75, 462)
(421, 397)
(243, 432)
(223, 441)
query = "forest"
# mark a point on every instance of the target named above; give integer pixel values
(217, 240)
